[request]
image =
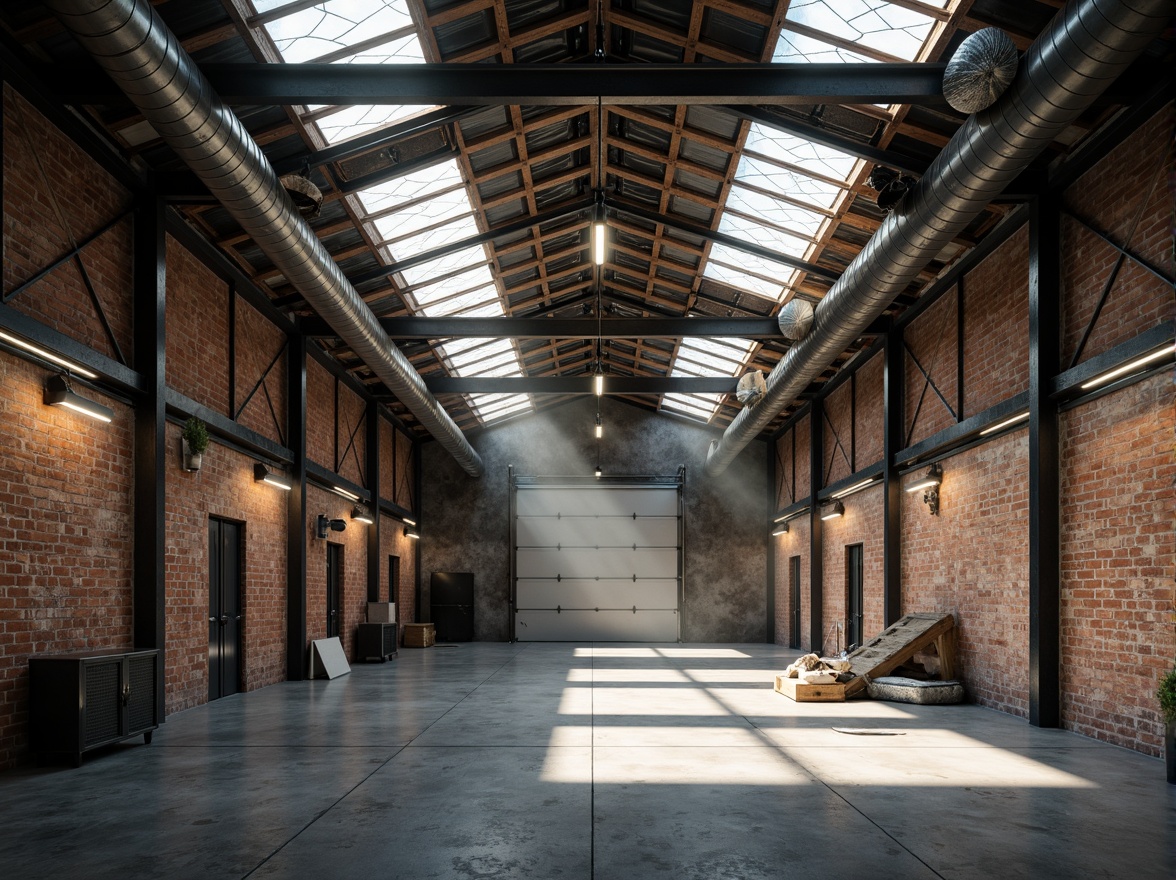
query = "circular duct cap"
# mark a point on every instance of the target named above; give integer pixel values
(308, 198)
(980, 70)
(751, 388)
(795, 320)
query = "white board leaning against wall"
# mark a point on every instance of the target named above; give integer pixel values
(597, 559)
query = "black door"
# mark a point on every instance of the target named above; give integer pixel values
(334, 588)
(853, 601)
(794, 592)
(394, 579)
(224, 607)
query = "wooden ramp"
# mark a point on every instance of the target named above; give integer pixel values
(900, 642)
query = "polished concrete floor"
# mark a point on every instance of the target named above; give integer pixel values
(564, 761)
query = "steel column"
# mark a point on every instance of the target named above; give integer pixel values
(893, 392)
(373, 484)
(149, 596)
(296, 510)
(771, 597)
(816, 535)
(1044, 480)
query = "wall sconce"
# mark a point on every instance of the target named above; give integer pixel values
(359, 513)
(930, 484)
(262, 474)
(412, 533)
(834, 511)
(781, 529)
(324, 524)
(59, 393)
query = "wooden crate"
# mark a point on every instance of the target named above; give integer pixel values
(419, 635)
(810, 693)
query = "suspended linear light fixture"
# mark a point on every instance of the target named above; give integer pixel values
(599, 427)
(599, 229)
(59, 393)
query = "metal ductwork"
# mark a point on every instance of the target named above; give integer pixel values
(1081, 52)
(143, 57)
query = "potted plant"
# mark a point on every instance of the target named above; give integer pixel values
(195, 440)
(1166, 694)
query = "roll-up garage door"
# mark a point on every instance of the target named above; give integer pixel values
(597, 562)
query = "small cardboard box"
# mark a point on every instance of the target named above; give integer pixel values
(419, 635)
(381, 612)
(810, 693)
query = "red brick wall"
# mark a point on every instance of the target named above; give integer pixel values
(353, 602)
(996, 326)
(794, 543)
(258, 343)
(931, 339)
(870, 412)
(404, 489)
(65, 536)
(55, 196)
(1118, 556)
(973, 560)
(838, 434)
(197, 329)
(394, 543)
(1127, 186)
(861, 524)
(223, 487)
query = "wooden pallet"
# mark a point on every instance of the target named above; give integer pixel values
(898, 643)
(810, 693)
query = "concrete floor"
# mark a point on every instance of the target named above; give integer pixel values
(553, 761)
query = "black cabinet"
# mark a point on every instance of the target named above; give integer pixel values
(79, 702)
(452, 605)
(377, 641)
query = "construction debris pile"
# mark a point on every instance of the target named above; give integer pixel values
(811, 669)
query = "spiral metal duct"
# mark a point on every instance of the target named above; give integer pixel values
(1081, 52)
(131, 42)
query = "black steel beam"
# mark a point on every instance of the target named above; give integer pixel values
(149, 597)
(1044, 467)
(957, 437)
(580, 384)
(683, 225)
(1067, 386)
(893, 392)
(544, 85)
(421, 328)
(770, 609)
(296, 568)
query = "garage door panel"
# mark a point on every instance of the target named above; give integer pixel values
(579, 531)
(588, 563)
(599, 626)
(662, 594)
(595, 501)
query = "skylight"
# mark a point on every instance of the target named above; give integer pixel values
(417, 212)
(893, 32)
(720, 356)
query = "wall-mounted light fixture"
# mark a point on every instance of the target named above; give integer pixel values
(992, 429)
(359, 513)
(262, 474)
(929, 483)
(344, 493)
(411, 533)
(833, 511)
(781, 529)
(59, 393)
(1137, 364)
(45, 355)
(856, 487)
(325, 524)
(598, 472)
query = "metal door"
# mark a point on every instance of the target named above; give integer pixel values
(853, 604)
(224, 607)
(394, 579)
(334, 588)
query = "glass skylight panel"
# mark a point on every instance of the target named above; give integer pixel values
(777, 211)
(430, 238)
(722, 356)
(699, 406)
(498, 406)
(796, 184)
(307, 34)
(885, 27)
(354, 120)
(754, 274)
(763, 235)
(423, 184)
(470, 262)
(801, 49)
(433, 288)
(801, 153)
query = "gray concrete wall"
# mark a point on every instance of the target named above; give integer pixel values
(466, 525)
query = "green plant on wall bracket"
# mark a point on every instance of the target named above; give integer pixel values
(1166, 694)
(195, 434)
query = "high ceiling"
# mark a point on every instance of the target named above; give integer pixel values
(451, 202)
